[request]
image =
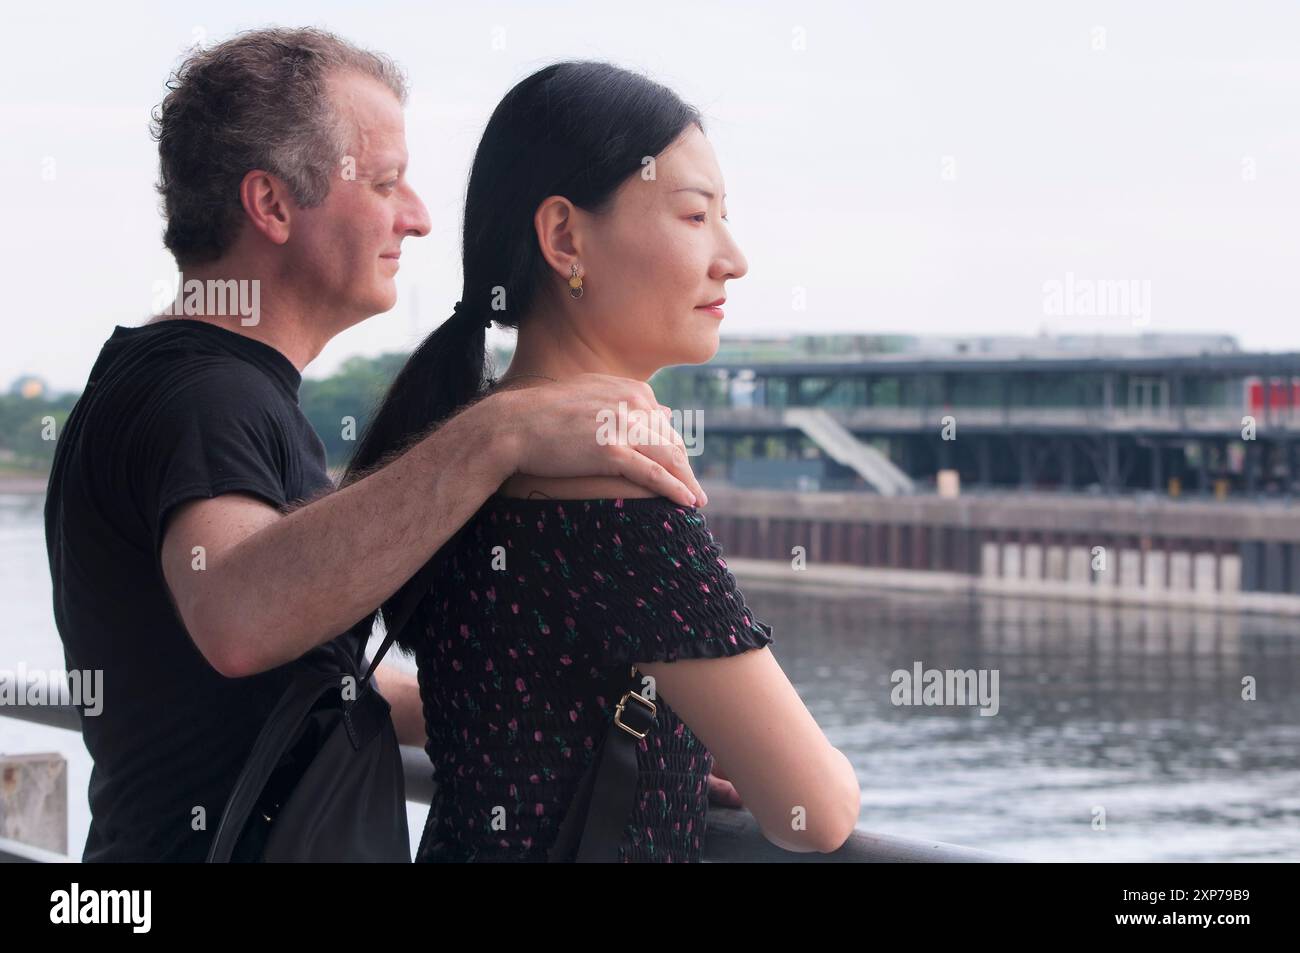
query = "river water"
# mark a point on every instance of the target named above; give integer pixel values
(1119, 735)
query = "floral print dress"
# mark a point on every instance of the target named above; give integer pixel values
(525, 643)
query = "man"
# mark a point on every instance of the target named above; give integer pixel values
(196, 543)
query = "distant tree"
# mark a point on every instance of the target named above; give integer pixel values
(353, 391)
(23, 429)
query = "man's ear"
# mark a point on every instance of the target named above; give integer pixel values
(560, 233)
(268, 204)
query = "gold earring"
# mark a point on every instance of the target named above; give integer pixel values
(575, 283)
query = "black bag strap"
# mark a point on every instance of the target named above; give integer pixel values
(411, 598)
(592, 829)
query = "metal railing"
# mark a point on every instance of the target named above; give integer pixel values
(732, 835)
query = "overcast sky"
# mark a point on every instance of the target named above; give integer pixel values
(914, 167)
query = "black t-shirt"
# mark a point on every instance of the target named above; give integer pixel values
(172, 411)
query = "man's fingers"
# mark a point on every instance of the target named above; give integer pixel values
(670, 431)
(655, 456)
(644, 427)
(644, 471)
(702, 498)
(672, 457)
(676, 459)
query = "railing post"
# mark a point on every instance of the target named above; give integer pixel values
(34, 800)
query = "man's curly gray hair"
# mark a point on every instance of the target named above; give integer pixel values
(259, 100)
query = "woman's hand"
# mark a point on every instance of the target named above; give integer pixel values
(723, 793)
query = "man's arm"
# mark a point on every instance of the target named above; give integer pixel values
(274, 586)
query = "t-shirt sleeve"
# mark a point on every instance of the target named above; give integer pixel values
(218, 432)
(668, 593)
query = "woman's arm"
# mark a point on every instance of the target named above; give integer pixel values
(802, 790)
(402, 692)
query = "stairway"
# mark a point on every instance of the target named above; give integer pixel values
(842, 447)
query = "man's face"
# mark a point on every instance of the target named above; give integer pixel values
(344, 251)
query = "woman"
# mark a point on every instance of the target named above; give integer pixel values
(594, 225)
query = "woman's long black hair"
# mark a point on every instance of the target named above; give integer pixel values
(576, 129)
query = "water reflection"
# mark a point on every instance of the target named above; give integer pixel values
(1134, 711)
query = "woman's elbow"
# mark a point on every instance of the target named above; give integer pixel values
(843, 816)
(839, 834)
(824, 824)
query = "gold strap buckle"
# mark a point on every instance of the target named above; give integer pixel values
(622, 704)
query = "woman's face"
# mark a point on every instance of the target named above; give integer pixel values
(655, 259)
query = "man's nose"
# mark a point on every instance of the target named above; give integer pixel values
(415, 219)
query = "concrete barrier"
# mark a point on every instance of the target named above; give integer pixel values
(1154, 566)
(1055, 564)
(1180, 572)
(34, 800)
(1079, 566)
(1033, 561)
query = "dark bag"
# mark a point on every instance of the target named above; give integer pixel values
(324, 780)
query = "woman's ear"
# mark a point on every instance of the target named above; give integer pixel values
(559, 229)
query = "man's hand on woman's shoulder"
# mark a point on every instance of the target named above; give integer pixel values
(610, 431)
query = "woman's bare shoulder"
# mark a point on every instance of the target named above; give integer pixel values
(523, 486)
